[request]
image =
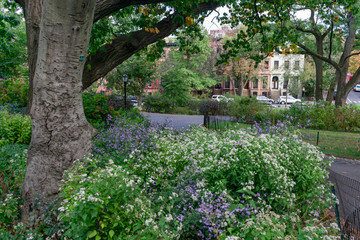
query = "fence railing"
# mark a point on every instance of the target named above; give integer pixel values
(347, 191)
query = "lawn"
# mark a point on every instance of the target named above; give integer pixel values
(336, 143)
(340, 144)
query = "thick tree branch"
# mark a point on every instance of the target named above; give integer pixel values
(107, 7)
(312, 31)
(314, 54)
(125, 46)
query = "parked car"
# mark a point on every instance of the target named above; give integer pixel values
(289, 100)
(220, 98)
(357, 88)
(133, 100)
(265, 99)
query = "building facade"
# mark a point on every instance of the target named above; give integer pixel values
(271, 78)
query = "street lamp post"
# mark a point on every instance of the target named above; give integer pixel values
(125, 78)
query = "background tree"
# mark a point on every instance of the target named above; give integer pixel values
(12, 42)
(187, 71)
(140, 70)
(274, 23)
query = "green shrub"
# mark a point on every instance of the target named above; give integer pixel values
(158, 103)
(324, 116)
(14, 128)
(13, 90)
(97, 108)
(108, 204)
(12, 169)
(246, 109)
(348, 118)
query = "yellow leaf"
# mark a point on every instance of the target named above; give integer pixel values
(157, 31)
(147, 29)
(189, 21)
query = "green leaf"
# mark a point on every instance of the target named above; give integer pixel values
(111, 233)
(89, 67)
(92, 234)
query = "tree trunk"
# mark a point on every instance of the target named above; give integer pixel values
(60, 131)
(330, 95)
(341, 93)
(32, 12)
(319, 79)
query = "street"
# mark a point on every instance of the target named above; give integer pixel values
(353, 97)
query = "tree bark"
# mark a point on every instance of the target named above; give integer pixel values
(319, 69)
(32, 13)
(60, 131)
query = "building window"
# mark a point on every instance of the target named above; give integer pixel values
(265, 82)
(227, 84)
(255, 83)
(286, 82)
(287, 65)
(266, 65)
(275, 82)
(150, 85)
(264, 94)
(276, 64)
(218, 86)
(297, 65)
(255, 93)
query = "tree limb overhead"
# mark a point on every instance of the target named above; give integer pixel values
(124, 46)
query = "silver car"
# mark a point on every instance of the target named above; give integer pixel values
(289, 100)
(265, 100)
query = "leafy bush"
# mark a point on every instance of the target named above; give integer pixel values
(209, 107)
(246, 109)
(97, 107)
(123, 135)
(323, 115)
(107, 203)
(13, 90)
(253, 171)
(158, 103)
(14, 128)
(12, 169)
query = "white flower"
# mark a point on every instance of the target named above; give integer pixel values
(168, 218)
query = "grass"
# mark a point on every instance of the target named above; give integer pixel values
(339, 144)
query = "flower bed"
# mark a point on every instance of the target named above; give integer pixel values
(159, 183)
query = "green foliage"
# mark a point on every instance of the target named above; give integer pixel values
(14, 128)
(14, 90)
(185, 72)
(140, 72)
(245, 109)
(97, 107)
(109, 204)
(12, 169)
(323, 115)
(12, 42)
(158, 103)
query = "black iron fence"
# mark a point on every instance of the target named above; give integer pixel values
(218, 122)
(347, 191)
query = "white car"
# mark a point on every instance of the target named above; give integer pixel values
(265, 100)
(220, 98)
(357, 88)
(289, 100)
